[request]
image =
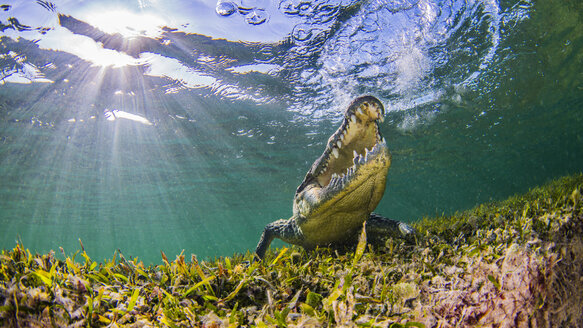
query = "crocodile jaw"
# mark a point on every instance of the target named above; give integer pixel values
(347, 182)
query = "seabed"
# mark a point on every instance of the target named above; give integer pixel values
(516, 263)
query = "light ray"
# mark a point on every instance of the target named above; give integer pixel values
(61, 39)
(127, 23)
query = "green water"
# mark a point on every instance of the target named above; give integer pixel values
(483, 101)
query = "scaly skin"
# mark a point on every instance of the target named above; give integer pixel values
(343, 186)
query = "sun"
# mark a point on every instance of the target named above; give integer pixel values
(128, 24)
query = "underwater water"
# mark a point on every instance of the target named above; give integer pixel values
(150, 126)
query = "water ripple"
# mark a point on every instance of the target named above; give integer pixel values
(396, 49)
(328, 50)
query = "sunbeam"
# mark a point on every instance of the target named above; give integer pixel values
(126, 23)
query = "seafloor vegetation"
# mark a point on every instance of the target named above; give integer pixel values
(516, 263)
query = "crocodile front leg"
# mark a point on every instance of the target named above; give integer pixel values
(379, 228)
(286, 230)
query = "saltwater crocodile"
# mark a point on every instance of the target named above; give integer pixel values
(342, 187)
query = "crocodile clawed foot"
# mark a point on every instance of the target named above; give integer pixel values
(406, 229)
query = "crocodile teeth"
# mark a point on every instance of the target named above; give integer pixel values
(342, 136)
(335, 152)
(323, 169)
(353, 118)
(360, 111)
(354, 154)
(336, 180)
(350, 171)
(339, 144)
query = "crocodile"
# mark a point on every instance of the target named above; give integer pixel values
(342, 188)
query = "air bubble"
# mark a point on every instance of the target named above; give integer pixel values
(302, 32)
(288, 7)
(256, 16)
(225, 8)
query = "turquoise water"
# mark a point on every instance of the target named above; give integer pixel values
(150, 126)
